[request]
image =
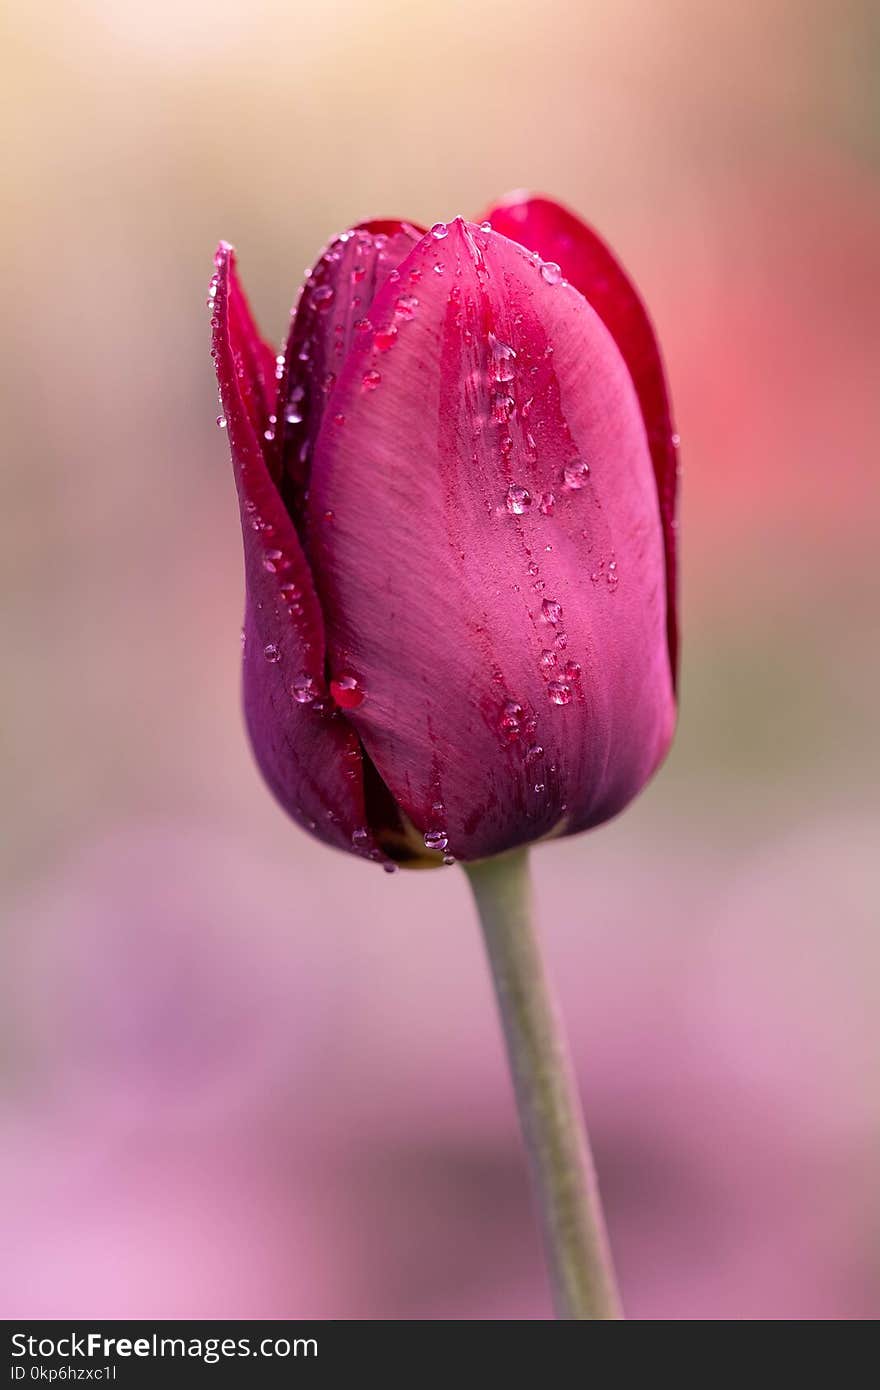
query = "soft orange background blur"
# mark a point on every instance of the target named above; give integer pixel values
(243, 1075)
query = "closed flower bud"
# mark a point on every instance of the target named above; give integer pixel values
(457, 487)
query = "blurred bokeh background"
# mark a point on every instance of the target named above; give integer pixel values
(243, 1075)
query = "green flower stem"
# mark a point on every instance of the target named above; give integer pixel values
(563, 1176)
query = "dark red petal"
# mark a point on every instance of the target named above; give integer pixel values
(309, 755)
(332, 310)
(390, 226)
(442, 580)
(559, 236)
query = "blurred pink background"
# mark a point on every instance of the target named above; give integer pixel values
(243, 1075)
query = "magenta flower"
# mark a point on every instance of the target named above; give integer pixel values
(457, 487)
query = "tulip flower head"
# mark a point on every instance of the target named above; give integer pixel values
(458, 486)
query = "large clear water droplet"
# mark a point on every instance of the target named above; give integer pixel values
(436, 839)
(551, 272)
(518, 499)
(304, 690)
(503, 358)
(576, 474)
(510, 723)
(559, 692)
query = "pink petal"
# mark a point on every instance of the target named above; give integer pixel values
(309, 755)
(560, 237)
(443, 581)
(331, 312)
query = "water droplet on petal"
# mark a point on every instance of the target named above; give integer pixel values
(271, 652)
(547, 660)
(386, 339)
(518, 499)
(347, 692)
(293, 411)
(221, 422)
(439, 231)
(559, 692)
(552, 611)
(372, 379)
(323, 297)
(360, 837)
(485, 226)
(503, 358)
(551, 272)
(304, 690)
(406, 306)
(576, 474)
(511, 721)
(502, 407)
(436, 839)
(390, 867)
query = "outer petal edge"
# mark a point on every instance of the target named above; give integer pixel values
(559, 235)
(308, 753)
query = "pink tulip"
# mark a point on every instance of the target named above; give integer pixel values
(457, 489)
